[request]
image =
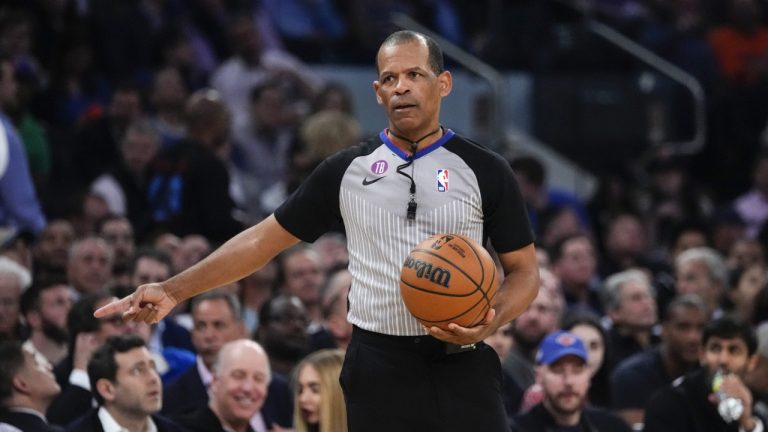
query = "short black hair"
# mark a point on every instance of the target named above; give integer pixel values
(730, 328)
(11, 362)
(435, 53)
(80, 318)
(102, 364)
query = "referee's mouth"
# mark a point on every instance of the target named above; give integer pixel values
(403, 107)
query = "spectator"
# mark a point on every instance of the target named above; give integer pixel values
(322, 134)
(648, 371)
(565, 377)
(540, 196)
(19, 207)
(252, 65)
(625, 244)
(283, 332)
(117, 231)
(255, 290)
(124, 185)
(728, 347)
(574, 262)
(319, 401)
(189, 185)
(702, 271)
(14, 281)
(336, 328)
(744, 253)
(169, 93)
(216, 318)
(89, 265)
(193, 248)
(52, 247)
(86, 334)
(169, 342)
(313, 31)
(745, 285)
(27, 388)
(741, 45)
(752, 206)
(528, 330)
(239, 383)
(333, 96)
(126, 387)
(332, 247)
(303, 276)
(629, 302)
(261, 145)
(45, 307)
(97, 142)
(587, 327)
(216, 321)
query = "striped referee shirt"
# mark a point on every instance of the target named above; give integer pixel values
(461, 187)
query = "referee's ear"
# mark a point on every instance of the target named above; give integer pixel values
(376, 86)
(445, 82)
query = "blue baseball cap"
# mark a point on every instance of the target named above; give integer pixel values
(558, 345)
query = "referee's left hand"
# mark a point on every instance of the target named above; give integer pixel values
(459, 335)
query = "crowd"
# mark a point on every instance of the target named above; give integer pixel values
(137, 136)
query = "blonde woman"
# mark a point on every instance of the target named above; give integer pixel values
(319, 402)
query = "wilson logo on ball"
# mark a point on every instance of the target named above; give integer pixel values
(436, 275)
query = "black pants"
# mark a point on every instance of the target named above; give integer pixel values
(404, 383)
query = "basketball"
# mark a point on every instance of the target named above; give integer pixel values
(449, 278)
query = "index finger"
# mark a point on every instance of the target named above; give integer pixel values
(117, 306)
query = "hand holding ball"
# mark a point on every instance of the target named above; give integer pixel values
(449, 278)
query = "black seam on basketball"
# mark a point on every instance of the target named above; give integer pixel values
(437, 292)
(478, 286)
(493, 275)
(471, 279)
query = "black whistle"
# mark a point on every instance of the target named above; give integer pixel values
(411, 215)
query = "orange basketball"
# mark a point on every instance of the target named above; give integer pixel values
(449, 278)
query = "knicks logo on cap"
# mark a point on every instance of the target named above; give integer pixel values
(442, 180)
(565, 340)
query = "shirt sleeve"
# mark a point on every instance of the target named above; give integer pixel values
(314, 207)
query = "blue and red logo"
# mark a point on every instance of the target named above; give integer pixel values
(442, 180)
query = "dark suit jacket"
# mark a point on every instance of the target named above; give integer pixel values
(187, 394)
(592, 420)
(90, 423)
(27, 422)
(204, 420)
(71, 403)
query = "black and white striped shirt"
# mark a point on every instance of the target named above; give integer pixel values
(461, 187)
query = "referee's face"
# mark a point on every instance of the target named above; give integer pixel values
(409, 90)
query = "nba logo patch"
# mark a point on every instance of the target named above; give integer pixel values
(442, 180)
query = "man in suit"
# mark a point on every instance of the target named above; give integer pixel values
(216, 318)
(127, 388)
(86, 333)
(27, 387)
(241, 375)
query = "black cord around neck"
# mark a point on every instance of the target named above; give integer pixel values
(411, 209)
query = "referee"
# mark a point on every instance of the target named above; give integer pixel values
(416, 179)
